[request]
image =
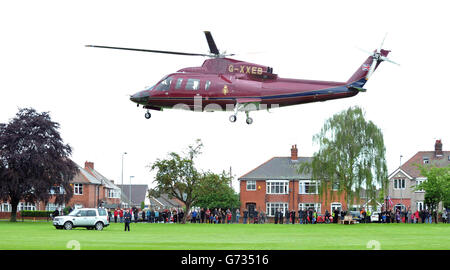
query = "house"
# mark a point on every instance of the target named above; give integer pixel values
(277, 184)
(90, 189)
(134, 195)
(164, 202)
(403, 180)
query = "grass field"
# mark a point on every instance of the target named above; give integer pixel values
(43, 236)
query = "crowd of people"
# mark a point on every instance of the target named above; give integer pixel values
(302, 216)
(406, 216)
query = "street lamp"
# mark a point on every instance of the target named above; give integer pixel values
(123, 154)
(130, 191)
(401, 187)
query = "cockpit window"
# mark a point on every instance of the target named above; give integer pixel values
(192, 84)
(164, 85)
(149, 88)
(207, 85)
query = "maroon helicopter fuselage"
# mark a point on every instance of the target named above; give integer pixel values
(222, 83)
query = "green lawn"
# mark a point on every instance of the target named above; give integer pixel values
(43, 236)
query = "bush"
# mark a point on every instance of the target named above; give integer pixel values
(29, 213)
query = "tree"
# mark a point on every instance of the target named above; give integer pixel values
(33, 160)
(214, 191)
(351, 157)
(177, 177)
(436, 187)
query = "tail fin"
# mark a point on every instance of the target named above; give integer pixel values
(362, 71)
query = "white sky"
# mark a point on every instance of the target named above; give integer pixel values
(44, 65)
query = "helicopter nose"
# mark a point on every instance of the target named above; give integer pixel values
(140, 97)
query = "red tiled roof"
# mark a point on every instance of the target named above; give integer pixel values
(411, 168)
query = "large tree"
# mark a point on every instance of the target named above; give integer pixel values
(351, 157)
(436, 187)
(177, 176)
(214, 191)
(33, 160)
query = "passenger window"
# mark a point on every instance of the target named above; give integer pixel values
(179, 82)
(207, 84)
(91, 213)
(83, 213)
(164, 85)
(192, 84)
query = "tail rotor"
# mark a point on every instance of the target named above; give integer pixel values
(378, 56)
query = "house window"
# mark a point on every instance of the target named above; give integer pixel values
(271, 208)
(308, 187)
(399, 183)
(113, 193)
(418, 182)
(426, 160)
(78, 189)
(56, 190)
(277, 187)
(313, 206)
(251, 185)
(26, 206)
(5, 207)
(53, 207)
(335, 185)
(335, 206)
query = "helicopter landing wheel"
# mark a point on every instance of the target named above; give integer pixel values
(233, 118)
(249, 120)
(148, 115)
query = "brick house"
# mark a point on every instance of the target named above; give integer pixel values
(277, 184)
(91, 189)
(403, 180)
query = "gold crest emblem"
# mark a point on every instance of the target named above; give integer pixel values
(225, 90)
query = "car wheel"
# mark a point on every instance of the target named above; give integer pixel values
(68, 225)
(99, 226)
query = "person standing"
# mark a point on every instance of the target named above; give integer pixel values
(121, 215)
(245, 216)
(116, 213)
(281, 217)
(238, 215)
(293, 216)
(444, 216)
(127, 220)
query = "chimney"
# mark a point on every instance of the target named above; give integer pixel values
(294, 152)
(438, 148)
(89, 165)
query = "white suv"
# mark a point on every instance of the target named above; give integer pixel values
(89, 218)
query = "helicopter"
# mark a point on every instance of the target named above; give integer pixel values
(222, 83)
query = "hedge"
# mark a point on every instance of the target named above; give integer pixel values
(29, 213)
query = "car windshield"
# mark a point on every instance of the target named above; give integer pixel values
(74, 212)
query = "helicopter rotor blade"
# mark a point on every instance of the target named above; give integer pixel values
(371, 69)
(145, 50)
(212, 45)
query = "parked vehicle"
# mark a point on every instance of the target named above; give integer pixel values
(90, 218)
(375, 217)
(356, 216)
